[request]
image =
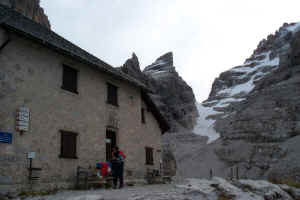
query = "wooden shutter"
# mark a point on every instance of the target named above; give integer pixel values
(149, 155)
(68, 144)
(69, 79)
(112, 94)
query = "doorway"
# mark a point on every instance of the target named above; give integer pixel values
(111, 142)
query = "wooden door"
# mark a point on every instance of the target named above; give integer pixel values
(111, 142)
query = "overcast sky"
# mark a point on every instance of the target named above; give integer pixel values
(206, 37)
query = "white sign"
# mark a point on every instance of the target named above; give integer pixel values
(24, 109)
(22, 123)
(22, 120)
(31, 155)
(107, 140)
(23, 114)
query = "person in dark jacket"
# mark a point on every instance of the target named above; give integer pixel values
(117, 167)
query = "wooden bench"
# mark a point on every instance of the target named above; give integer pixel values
(167, 179)
(153, 176)
(87, 178)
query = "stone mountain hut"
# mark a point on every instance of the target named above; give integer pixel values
(61, 108)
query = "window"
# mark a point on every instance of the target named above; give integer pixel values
(69, 81)
(149, 155)
(143, 115)
(112, 94)
(68, 145)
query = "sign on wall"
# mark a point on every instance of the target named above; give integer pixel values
(31, 155)
(5, 137)
(22, 122)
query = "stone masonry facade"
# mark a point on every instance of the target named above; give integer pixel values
(31, 76)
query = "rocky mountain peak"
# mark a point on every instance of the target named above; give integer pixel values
(162, 65)
(132, 68)
(132, 63)
(168, 58)
(237, 84)
(172, 95)
(30, 9)
(252, 114)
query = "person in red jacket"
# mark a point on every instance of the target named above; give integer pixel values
(118, 169)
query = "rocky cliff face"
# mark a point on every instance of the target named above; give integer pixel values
(251, 118)
(171, 93)
(174, 98)
(30, 9)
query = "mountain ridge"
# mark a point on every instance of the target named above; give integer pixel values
(251, 118)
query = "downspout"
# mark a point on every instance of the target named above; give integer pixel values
(4, 44)
(8, 38)
(13, 4)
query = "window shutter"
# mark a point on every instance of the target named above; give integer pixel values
(112, 94)
(149, 156)
(68, 144)
(69, 79)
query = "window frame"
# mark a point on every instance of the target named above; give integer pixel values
(63, 152)
(149, 151)
(65, 85)
(112, 98)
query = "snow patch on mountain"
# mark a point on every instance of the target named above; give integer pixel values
(158, 63)
(294, 28)
(227, 101)
(255, 72)
(267, 61)
(204, 126)
(245, 88)
(252, 70)
(159, 68)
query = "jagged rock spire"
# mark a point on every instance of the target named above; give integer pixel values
(132, 68)
(30, 9)
(163, 63)
(168, 57)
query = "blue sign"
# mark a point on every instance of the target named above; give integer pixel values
(5, 137)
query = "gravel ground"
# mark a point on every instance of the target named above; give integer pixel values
(148, 192)
(192, 189)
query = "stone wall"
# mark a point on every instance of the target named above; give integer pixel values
(31, 76)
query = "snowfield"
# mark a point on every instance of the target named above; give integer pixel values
(204, 127)
(255, 73)
(294, 28)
